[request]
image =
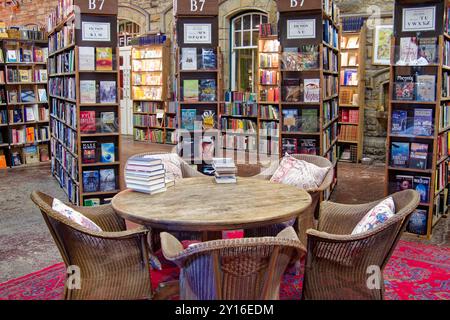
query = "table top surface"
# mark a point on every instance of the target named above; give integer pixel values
(200, 204)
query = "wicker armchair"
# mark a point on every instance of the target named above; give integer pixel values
(306, 219)
(113, 263)
(337, 263)
(236, 269)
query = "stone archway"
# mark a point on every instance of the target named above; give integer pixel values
(136, 14)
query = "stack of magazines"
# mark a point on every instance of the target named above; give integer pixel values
(145, 174)
(225, 170)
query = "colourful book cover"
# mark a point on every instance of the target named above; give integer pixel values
(89, 151)
(108, 92)
(108, 152)
(400, 154)
(418, 222)
(88, 91)
(308, 146)
(107, 180)
(191, 90)
(426, 88)
(312, 90)
(422, 186)
(188, 117)
(403, 183)
(289, 146)
(419, 156)
(103, 59)
(404, 88)
(399, 122)
(309, 120)
(423, 122)
(91, 181)
(87, 122)
(290, 120)
(208, 90)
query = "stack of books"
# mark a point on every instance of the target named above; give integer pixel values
(145, 174)
(225, 170)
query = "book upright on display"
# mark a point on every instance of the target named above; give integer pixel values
(107, 180)
(104, 59)
(88, 152)
(404, 88)
(400, 154)
(88, 91)
(188, 58)
(426, 88)
(86, 58)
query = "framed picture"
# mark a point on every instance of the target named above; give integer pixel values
(382, 45)
(419, 19)
(197, 33)
(96, 31)
(301, 29)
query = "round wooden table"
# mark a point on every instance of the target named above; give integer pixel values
(201, 205)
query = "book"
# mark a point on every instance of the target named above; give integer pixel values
(108, 152)
(423, 122)
(88, 151)
(311, 90)
(188, 117)
(403, 182)
(191, 90)
(108, 92)
(208, 90)
(29, 114)
(42, 95)
(209, 60)
(11, 56)
(408, 51)
(107, 121)
(91, 181)
(86, 58)
(291, 90)
(30, 154)
(188, 58)
(426, 88)
(92, 202)
(103, 59)
(418, 222)
(3, 164)
(307, 146)
(418, 156)
(290, 120)
(427, 53)
(309, 120)
(27, 56)
(107, 180)
(404, 88)
(399, 122)
(88, 91)
(87, 122)
(400, 154)
(422, 186)
(289, 146)
(43, 75)
(27, 96)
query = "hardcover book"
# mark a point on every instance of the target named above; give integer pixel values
(408, 51)
(399, 122)
(309, 120)
(418, 222)
(190, 90)
(188, 58)
(422, 186)
(426, 88)
(400, 154)
(42, 95)
(108, 152)
(289, 145)
(11, 56)
(209, 60)
(88, 91)
(108, 92)
(290, 120)
(91, 181)
(86, 58)
(403, 182)
(27, 96)
(93, 202)
(312, 90)
(423, 122)
(188, 117)
(208, 90)
(103, 59)
(88, 151)
(427, 51)
(107, 121)
(404, 88)
(107, 180)
(292, 90)
(87, 122)
(307, 146)
(419, 155)
(27, 56)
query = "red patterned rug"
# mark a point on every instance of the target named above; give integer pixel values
(415, 272)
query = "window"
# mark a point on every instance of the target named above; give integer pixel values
(127, 31)
(244, 39)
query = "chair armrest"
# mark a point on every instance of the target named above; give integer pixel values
(267, 173)
(290, 234)
(341, 219)
(327, 181)
(121, 235)
(104, 216)
(170, 246)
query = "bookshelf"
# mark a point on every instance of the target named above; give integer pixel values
(417, 140)
(352, 95)
(198, 92)
(309, 38)
(24, 111)
(84, 110)
(153, 120)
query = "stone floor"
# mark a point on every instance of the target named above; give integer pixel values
(26, 245)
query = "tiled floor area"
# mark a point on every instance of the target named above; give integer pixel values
(27, 246)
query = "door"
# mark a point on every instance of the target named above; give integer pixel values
(126, 104)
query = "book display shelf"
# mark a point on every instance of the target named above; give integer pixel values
(417, 142)
(309, 37)
(24, 111)
(352, 95)
(198, 93)
(84, 114)
(153, 120)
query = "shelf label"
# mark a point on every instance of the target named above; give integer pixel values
(96, 31)
(97, 6)
(196, 7)
(197, 33)
(298, 5)
(301, 29)
(419, 19)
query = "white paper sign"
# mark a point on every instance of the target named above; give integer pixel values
(197, 33)
(419, 19)
(301, 29)
(96, 31)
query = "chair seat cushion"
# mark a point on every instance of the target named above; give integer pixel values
(376, 216)
(172, 164)
(299, 173)
(74, 216)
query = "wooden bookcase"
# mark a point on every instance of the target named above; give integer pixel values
(352, 95)
(197, 35)
(24, 104)
(85, 113)
(309, 88)
(151, 117)
(415, 158)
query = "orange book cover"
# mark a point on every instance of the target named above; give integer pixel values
(30, 134)
(104, 59)
(2, 161)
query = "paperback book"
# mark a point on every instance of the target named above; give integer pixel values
(422, 186)
(107, 121)
(403, 182)
(309, 120)
(418, 222)
(400, 154)
(88, 91)
(188, 58)
(91, 181)
(399, 122)
(188, 117)
(419, 155)
(108, 152)
(423, 122)
(404, 88)
(107, 180)
(209, 59)
(87, 122)
(88, 151)
(208, 90)
(86, 58)
(191, 90)
(426, 88)
(312, 90)
(108, 92)
(290, 120)
(103, 59)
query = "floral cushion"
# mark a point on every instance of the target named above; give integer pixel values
(74, 216)
(172, 164)
(376, 216)
(299, 173)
